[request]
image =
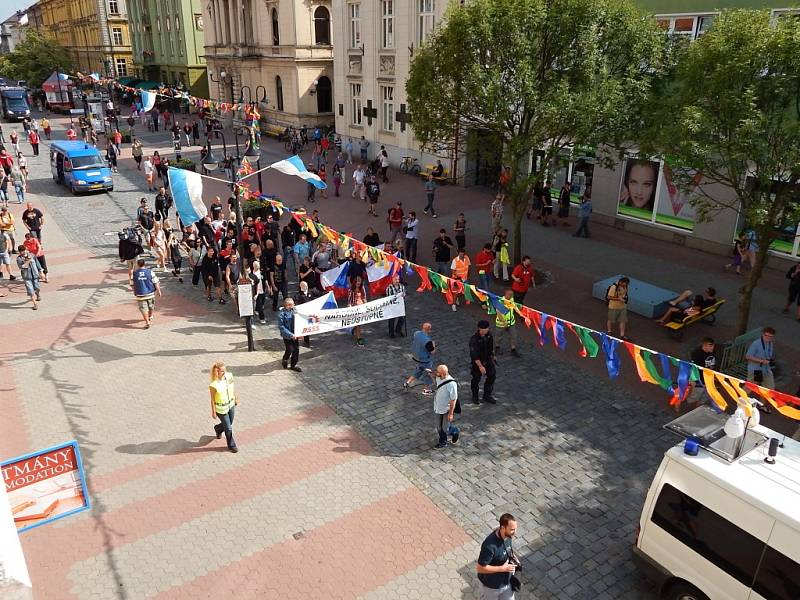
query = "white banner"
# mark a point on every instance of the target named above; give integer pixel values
(245, 296)
(310, 318)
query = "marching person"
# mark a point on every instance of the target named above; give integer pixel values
(497, 562)
(444, 406)
(224, 401)
(422, 349)
(29, 272)
(481, 356)
(290, 340)
(506, 325)
(396, 324)
(145, 287)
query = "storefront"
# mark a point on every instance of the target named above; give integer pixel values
(574, 164)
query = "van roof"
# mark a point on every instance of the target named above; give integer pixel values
(75, 148)
(774, 488)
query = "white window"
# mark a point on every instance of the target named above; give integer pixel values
(387, 23)
(113, 7)
(355, 98)
(387, 114)
(116, 35)
(355, 25)
(426, 19)
(177, 23)
(704, 24)
(122, 67)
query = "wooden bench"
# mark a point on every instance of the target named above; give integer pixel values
(707, 315)
(428, 170)
(272, 131)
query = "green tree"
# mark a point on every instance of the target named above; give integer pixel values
(35, 58)
(534, 75)
(731, 112)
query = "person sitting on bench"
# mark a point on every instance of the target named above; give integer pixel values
(681, 304)
(438, 170)
(679, 313)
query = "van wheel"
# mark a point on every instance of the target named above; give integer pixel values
(684, 591)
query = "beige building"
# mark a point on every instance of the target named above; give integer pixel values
(284, 46)
(375, 41)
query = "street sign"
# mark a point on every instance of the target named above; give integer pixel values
(245, 296)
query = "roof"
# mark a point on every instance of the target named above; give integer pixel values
(75, 148)
(773, 488)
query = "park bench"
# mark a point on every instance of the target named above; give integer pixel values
(272, 131)
(707, 315)
(429, 169)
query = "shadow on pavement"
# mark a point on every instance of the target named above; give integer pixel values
(173, 446)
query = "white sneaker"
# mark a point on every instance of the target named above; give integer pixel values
(453, 306)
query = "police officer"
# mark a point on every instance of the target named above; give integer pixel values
(481, 356)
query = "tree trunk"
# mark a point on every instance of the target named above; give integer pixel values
(746, 291)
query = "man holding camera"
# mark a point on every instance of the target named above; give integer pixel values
(497, 562)
(761, 360)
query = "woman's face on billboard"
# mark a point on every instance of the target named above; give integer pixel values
(641, 185)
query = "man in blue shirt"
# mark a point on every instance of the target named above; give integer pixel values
(290, 340)
(422, 349)
(145, 286)
(759, 357)
(496, 562)
(584, 212)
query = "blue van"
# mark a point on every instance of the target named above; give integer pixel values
(80, 167)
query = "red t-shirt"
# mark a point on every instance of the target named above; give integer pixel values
(525, 274)
(395, 216)
(483, 259)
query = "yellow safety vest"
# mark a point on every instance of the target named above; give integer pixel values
(224, 394)
(504, 321)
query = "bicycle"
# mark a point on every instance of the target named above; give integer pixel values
(409, 165)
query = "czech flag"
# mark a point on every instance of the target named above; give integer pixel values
(380, 276)
(336, 280)
(294, 166)
(187, 193)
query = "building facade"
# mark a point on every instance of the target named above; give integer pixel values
(167, 39)
(12, 31)
(94, 32)
(375, 42)
(278, 51)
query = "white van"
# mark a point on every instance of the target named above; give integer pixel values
(717, 526)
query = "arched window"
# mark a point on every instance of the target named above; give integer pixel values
(324, 95)
(322, 26)
(279, 92)
(276, 36)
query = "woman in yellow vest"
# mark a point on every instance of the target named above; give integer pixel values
(505, 325)
(223, 401)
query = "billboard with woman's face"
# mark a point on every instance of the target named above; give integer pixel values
(638, 190)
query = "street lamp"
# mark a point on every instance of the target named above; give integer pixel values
(210, 162)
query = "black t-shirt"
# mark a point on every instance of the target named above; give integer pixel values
(357, 269)
(32, 218)
(372, 239)
(704, 359)
(493, 554)
(441, 249)
(311, 280)
(278, 274)
(268, 258)
(147, 219)
(481, 347)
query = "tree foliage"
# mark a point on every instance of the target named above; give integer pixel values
(732, 112)
(535, 75)
(35, 58)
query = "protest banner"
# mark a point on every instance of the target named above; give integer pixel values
(45, 485)
(311, 318)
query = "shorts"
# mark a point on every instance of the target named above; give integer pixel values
(31, 286)
(421, 373)
(618, 315)
(147, 304)
(131, 263)
(214, 276)
(373, 200)
(5, 258)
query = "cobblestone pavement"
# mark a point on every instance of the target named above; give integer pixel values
(349, 502)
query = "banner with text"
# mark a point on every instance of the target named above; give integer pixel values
(45, 485)
(310, 318)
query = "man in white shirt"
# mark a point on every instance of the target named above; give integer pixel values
(360, 183)
(412, 235)
(444, 406)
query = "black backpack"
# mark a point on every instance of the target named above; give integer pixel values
(608, 289)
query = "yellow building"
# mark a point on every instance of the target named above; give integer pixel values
(95, 33)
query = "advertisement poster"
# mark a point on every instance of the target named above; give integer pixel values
(45, 486)
(677, 189)
(637, 193)
(310, 318)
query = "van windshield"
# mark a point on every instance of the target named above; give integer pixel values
(87, 162)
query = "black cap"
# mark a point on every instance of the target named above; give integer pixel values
(483, 324)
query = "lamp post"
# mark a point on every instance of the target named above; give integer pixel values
(210, 163)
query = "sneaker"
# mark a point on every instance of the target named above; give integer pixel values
(218, 433)
(360, 342)
(296, 369)
(262, 321)
(406, 387)
(222, 300)
(427, 392)
(285, 364)
(440, 445)
(475, 400)
(147, 325)
(453, 306)
(12, 277)
(490, 400)
(455, 438)
(234, 449)
(435, 215)
(210, 299)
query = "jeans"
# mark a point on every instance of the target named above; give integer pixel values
(461, 242)
(441, 267)
(37, 233)
(503, 593)
(506, 332)
(583, 227)
(411, 249)
(442, 425)
(260, 306)
(20, 193)
(196, 274)
(292, 351)
(488, 385)
(429, 206)
(226, 425)
(282, 289)
(483, 281)
(396, 326)
(363, 155)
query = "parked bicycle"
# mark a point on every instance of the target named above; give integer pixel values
(409, 165)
